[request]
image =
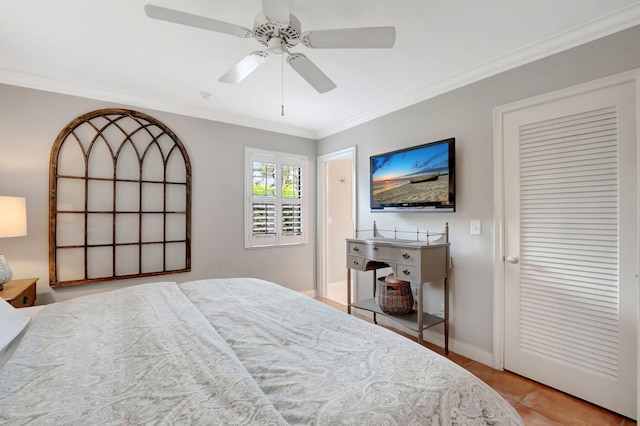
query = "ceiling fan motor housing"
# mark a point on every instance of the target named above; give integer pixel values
(264, 30)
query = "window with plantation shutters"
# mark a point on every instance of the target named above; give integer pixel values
(275, 207)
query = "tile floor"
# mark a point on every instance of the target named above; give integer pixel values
(537, 404)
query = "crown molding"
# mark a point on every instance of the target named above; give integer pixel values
(46, 84)
(617, 21)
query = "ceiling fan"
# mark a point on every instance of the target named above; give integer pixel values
(279, 30)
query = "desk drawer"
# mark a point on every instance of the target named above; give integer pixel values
(359, 249)
(397, 254)
(407, 272)
(356, 262)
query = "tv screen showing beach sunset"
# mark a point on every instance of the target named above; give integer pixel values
(412, 177)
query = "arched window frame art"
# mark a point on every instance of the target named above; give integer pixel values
(120, 199)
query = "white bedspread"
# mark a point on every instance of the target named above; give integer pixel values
(318, 365)
(137, 356)
(230, 352)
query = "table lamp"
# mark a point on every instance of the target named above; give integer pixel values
(13, 223)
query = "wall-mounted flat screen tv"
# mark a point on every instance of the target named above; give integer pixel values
(419, 178)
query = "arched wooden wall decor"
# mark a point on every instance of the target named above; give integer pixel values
(120, 199)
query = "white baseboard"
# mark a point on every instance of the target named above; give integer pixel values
(310, 293)
(461, 348)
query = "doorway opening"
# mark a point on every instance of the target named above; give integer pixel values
(336, 192)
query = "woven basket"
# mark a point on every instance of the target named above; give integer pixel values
(394, 298)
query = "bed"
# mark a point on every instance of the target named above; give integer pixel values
(234, 351)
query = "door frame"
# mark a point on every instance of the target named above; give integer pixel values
(499, 196)
(323, 160)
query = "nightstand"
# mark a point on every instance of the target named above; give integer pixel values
(20, 293)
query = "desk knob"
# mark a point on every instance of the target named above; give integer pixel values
(375, 248)
(406, 255)
(355, 262)
(356, 249)
(406, 272)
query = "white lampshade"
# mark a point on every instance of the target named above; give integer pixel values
(13, 217)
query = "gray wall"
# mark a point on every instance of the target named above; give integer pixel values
(30, 120)
(467, 115)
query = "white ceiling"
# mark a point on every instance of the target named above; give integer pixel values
(110, 50)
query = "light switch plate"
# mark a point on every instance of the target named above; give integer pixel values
(476, 227)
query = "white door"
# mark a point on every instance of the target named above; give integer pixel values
(570, 243)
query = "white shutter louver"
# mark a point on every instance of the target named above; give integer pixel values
(569, 239)
(291, 219)
(264, 220)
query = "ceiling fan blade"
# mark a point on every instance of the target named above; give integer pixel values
(310, 72)
(357, 38)
(245, 67)
(276, 10)
(175, 16)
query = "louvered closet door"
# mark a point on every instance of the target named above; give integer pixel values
(570, 285)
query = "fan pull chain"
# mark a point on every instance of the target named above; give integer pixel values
(282, 85)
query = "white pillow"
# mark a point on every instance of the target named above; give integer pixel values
(12, 322)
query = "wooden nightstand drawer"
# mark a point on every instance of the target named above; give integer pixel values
(20, 293)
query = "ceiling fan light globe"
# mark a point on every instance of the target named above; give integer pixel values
(277, 46)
